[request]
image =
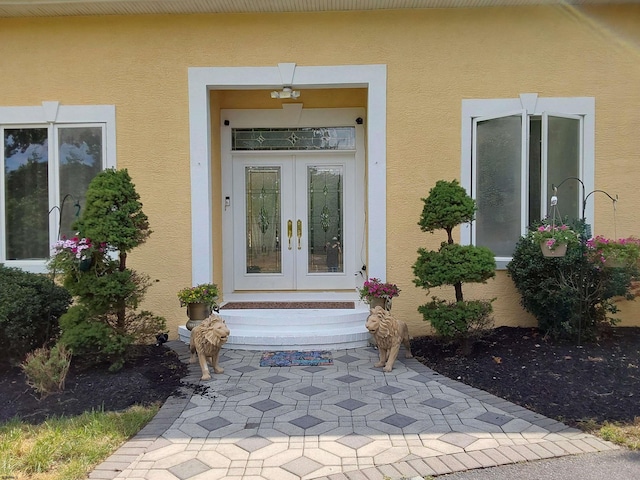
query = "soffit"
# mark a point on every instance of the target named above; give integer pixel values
(58, 8)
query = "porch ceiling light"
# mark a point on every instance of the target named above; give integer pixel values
(287, 92)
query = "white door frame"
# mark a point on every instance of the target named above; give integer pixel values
(204, 79)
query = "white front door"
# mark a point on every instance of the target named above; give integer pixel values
(294, 221)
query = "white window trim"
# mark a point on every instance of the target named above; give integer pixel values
(50, 115)
(533, 105)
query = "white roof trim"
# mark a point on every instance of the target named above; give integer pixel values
(56, 8)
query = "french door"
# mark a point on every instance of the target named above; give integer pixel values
(294, 220)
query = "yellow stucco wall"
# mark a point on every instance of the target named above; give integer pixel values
(435, 59)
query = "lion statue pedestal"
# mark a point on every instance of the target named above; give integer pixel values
(206, 341)
(389, 333)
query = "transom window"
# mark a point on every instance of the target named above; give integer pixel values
(295, 138)
(48, 161)
(514, 152)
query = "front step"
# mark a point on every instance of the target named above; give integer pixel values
(293, 328)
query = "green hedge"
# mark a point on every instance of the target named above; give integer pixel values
(30, 306)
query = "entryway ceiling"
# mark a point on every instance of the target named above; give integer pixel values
(60, 8)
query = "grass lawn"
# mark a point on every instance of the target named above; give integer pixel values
(66, 448)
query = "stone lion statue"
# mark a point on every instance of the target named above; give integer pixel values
(206, 341)
(389, 333)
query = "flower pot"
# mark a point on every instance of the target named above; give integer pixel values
(85, 264)
(380, 302)
(197, 312)
(559, 251)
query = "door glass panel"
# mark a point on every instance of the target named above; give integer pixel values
(325, 218)
(498, 164)
(26, 189)
(263, 245)
(80, 153)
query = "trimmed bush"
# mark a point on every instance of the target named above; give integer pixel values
(458, 321)
(93, 267)
(570, 296)
(30, 307)
(91, 338)
(447, 206)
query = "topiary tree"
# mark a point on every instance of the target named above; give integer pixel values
(446, 207)
(94, 269)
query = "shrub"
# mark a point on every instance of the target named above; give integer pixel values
(462, 321)
(93, 267)
(30, 306)
(46, 369)
(571, 296)
(92, 338)
(453, 263)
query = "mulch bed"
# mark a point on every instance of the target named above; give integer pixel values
(151, 374)
(594, 381)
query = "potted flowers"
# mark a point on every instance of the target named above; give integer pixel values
(199, 300)
(621, 253)
(375, 293)
(554, 239)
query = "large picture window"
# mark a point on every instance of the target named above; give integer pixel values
(46, 169)
(514, 152)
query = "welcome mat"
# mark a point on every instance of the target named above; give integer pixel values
(296, 359)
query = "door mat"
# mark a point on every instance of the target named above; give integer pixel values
(286, 305)
(296, 359)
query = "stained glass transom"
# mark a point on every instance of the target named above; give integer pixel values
(322, 138)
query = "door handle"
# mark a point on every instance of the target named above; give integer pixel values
(289, 231)
(299, 231)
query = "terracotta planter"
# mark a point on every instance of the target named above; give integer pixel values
(197, 312)
(559, 251)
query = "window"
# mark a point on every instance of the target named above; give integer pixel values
(514, 152)
(49, 156)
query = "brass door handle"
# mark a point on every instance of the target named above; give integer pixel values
(289, 231)
(299, 231)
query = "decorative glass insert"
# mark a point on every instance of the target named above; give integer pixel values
(26, 187)
(263, 242)
(325, 222)
(321, 138)
(498, 164)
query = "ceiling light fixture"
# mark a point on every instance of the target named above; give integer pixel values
(287, 92)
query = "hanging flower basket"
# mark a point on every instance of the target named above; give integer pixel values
(554, 239)
(607, 253)
(560, 250)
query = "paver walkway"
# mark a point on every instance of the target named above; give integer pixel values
(344, 421)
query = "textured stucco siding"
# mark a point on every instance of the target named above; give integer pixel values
(435, 59)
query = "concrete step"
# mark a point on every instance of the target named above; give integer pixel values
(293, 329)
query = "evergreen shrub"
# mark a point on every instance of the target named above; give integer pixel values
(30, 307)
(571, 297)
